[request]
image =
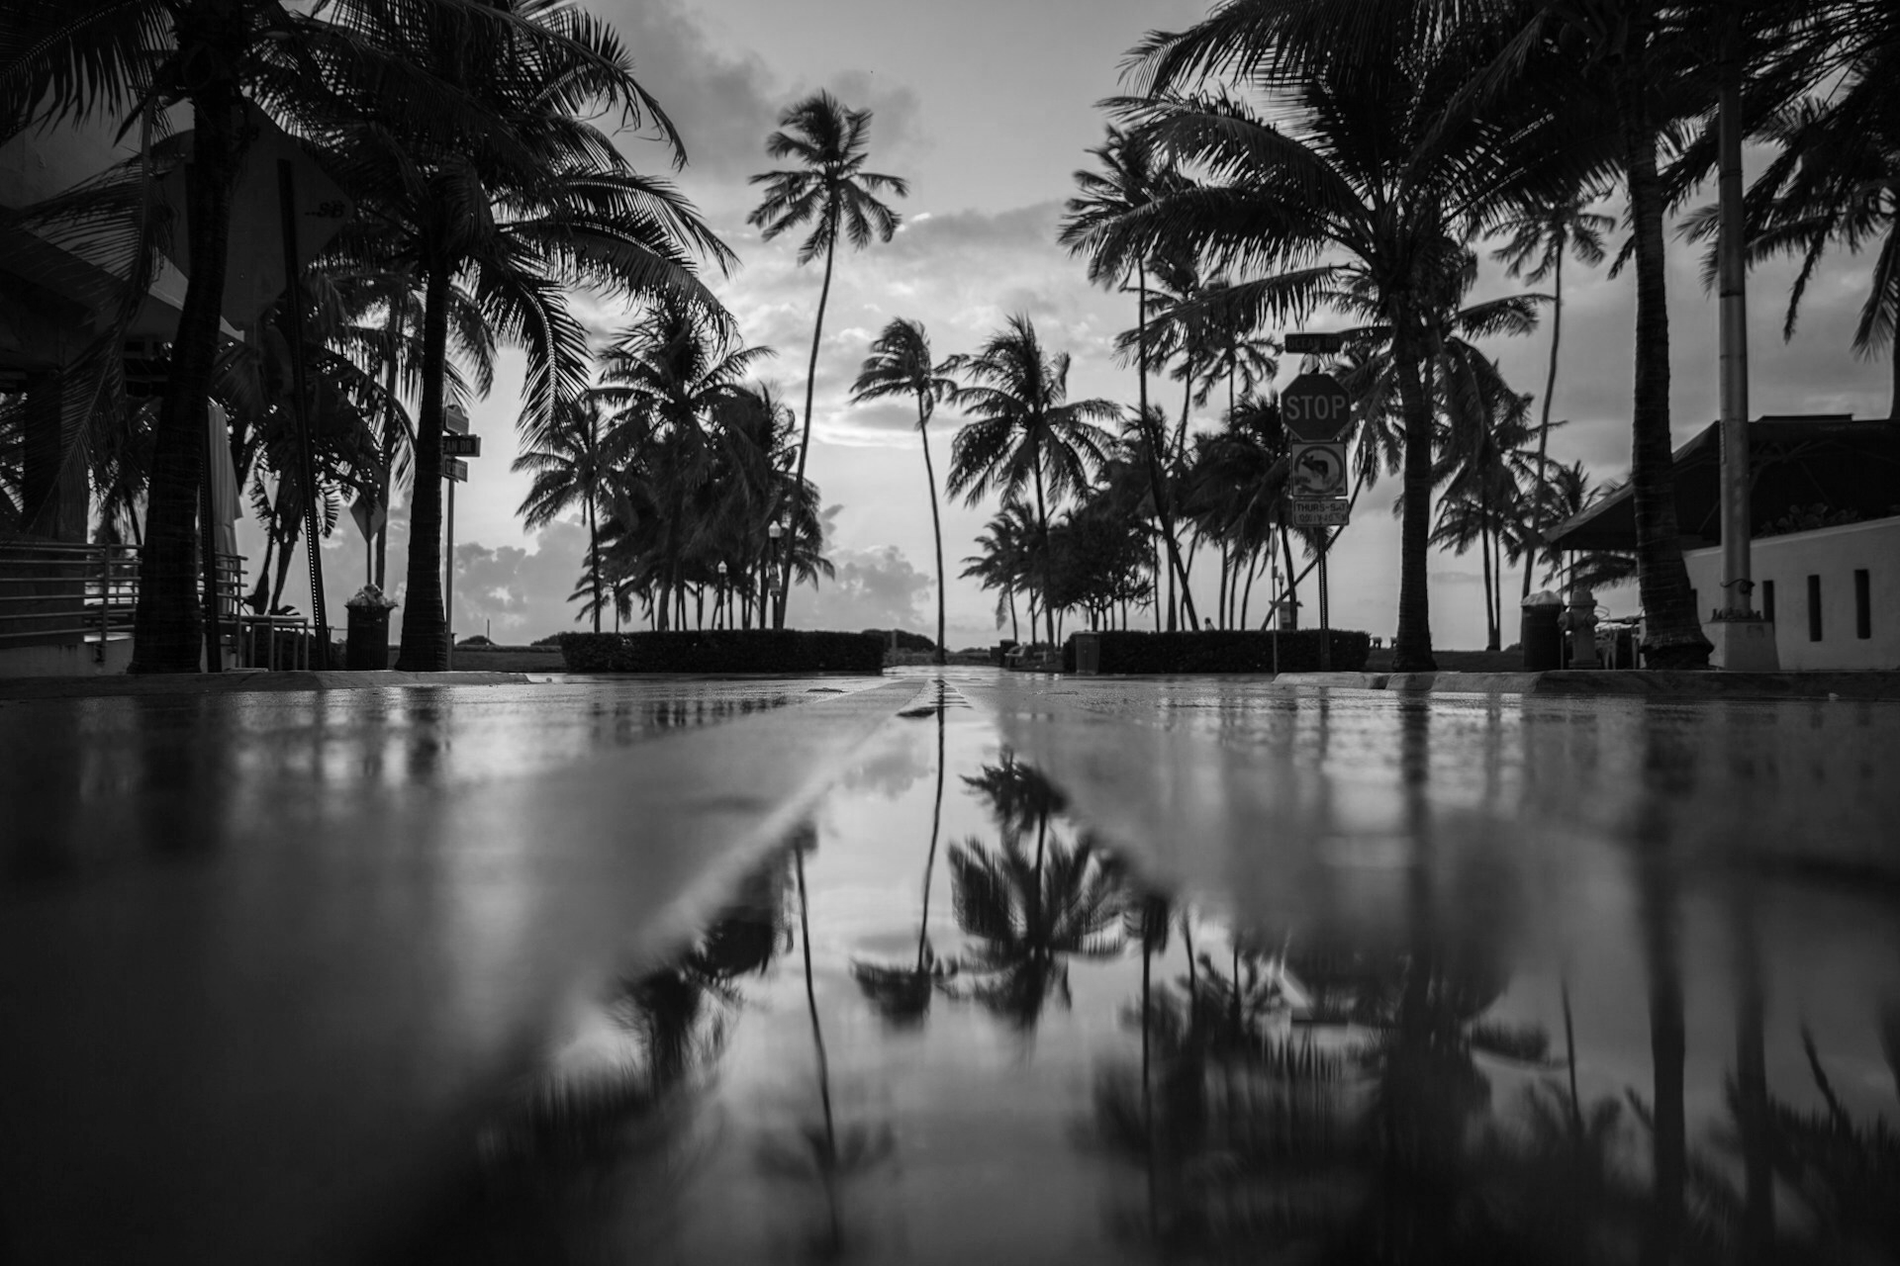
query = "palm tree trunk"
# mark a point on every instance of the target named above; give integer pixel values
(1154, 443)
(1042, 521)
(1220, 599)
(168, 622)
(936, 522)
(1484, 558)
(1246, 597)
(1412, 648)
(804, 441)
(425, 630)
(1015, 631)
(1673, 634)
(1543, 428)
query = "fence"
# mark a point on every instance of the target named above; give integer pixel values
(55, 594)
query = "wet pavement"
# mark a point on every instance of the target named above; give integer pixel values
(947, 968)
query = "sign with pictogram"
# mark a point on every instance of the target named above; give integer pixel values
(1315, 408)
(1317, 471)
(461, 446)
(1322, 513)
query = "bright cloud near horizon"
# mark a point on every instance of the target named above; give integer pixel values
(987, 113)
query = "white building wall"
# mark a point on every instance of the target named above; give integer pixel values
(1833, 554)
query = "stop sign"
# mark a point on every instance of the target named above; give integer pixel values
(1315, 408)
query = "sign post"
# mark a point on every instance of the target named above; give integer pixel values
(457, 443)
(1317, 413)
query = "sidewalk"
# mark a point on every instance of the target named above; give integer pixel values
(1640, 682)
(235, 680)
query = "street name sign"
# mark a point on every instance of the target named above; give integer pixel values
(461, 446)
(1317, 471)
(454, 421)
(1313, 342)
(457, 469)
(1315, 408)
(1321, 513)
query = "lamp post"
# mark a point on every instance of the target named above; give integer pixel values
(723, 611)
(776, 530)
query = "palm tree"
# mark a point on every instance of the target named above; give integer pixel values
(1538, 239)
(900, 365)
(547, 205)
(667, 379)
(1127, 181)
(834, 194)
(1373, 160)
(570, 461)
(1026, 432)
(77, 62)
(1005, 545)
(1835, 181)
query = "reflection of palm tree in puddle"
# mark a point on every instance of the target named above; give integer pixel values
(902, 994)
(1029, 915)
(822, 1151)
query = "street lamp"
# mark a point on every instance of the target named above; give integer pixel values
(776, 530)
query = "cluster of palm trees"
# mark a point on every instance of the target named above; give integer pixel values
(1344, 158)
(483, 190)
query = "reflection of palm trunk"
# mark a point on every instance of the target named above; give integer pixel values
(1751, 1089)
(1668, 1041)
(827, 1169)
(1570, 1058)
(936, 824)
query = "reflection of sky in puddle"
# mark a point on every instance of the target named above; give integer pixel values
(977, 1084)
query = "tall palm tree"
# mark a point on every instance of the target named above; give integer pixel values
(63, 62)
(833, 193)
(900, 365)
(1538, 239)
(1128, 179)
(546, 204)
(570, 462)
(1027, 431)
(1373, 160)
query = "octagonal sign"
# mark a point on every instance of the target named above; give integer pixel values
(1316, 409)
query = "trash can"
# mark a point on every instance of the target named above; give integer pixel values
(368, 644)
(1540, 633)
(1088, 653)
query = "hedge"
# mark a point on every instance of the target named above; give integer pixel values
(1223, 651)
(722, 651)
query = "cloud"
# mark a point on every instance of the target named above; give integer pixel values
(874, 589)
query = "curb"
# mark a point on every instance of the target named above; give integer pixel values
(1625, 683)
(253, 681)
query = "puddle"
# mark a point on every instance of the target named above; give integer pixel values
(946, 1022)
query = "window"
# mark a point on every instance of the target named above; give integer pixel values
(1863, 604)
(1768, 601)
(1814, 608)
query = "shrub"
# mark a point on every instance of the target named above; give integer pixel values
(906, 641)
(552, 640)
(1223, 651)
(723, 651)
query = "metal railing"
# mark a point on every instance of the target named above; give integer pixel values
(54, 594)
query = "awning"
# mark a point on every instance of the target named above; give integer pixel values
(1826, 459)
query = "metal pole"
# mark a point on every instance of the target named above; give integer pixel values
(1732, 264)
(1325, 625)
(448, 578)
(287, 214)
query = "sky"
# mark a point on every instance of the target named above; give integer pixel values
(987, 110)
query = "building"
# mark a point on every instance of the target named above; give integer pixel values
(1825, 510)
